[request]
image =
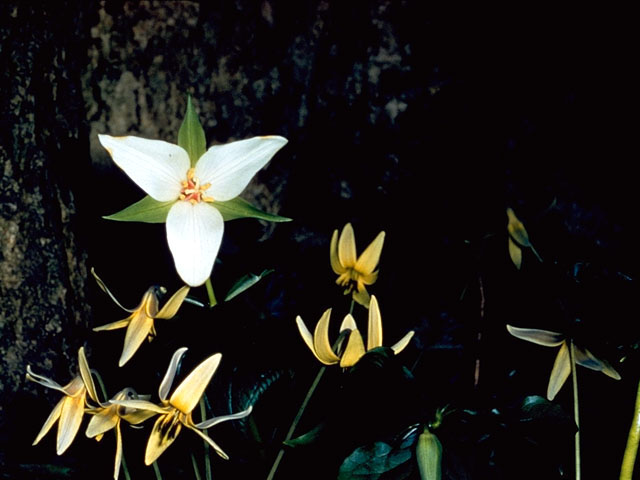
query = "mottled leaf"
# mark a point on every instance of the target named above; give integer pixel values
(246, 282)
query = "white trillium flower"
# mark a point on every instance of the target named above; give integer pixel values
(164, 172)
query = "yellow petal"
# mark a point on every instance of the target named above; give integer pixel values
(114, 325)
(333, 255)
(516, 229)
(70, 420)
(51, 419)
(560, 372)
(305, 333)
(102, 422)
(401, 345)
(118, 460)
(167, 380)
(164, 432)
(347, 247)
(368, 279)
(585, 358)
(374, 335)
(545, 338)
(354, 350)
(85, 373)
(187, 395)
(173, 304)
(515, 252)
(138, 330)
(368, 261)
(149, 303)
(104, 288)
(362, 297)
(213, 444)
(321, 345)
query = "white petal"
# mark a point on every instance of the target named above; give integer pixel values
(194, 233)
(157, 167)
(229, 168)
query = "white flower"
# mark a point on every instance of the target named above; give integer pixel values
(163, 170)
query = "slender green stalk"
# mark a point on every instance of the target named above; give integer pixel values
(296, 420)
(212, 297)
(207, 458)
(353, 302)
(631, 450)
(124, 467)
(576, 409)
(195, 467)
(156, 470)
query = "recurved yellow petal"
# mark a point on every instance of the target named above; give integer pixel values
(213, 444)
(187, 395)
(368, 279)
(70, 420)
(516, 229)
(374, 331)
(515, 252)
(50, 421)
(118, 459)
(139, 329)
(347, 247)
(368, 260)
(560, 372)
(585, 358)
(362, 297)
(305, 333)
(333, 255)
(402, 344)
(167, 380)
(321, 344)
(545, 338)
(170, 308)
(85, 373)
(113, 325)
(102, 422)
(150, 304)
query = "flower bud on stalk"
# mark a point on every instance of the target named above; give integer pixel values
(429, 455)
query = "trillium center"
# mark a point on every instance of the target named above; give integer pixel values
(192, 191)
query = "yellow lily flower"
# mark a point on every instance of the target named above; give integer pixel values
(139, 324)
(70, 409)
(319, 344)
(562, 365)
(108, 416)
(355, 272)
(518, 239)
(175, 412)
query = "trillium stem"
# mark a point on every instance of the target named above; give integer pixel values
(207, 459)
(212, 297)
(631, 450)
(296, 420)
(576, 407)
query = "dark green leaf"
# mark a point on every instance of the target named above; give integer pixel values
(191, 135)
(246, 282)
(146, 210)
(240, 208)
(377, 461)
(306, 439)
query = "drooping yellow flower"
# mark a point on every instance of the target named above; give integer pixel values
(355, 272)
(320, 346)
(176, 411)
(108, 415)
(70, 409)
(562, 365)
(140, 324)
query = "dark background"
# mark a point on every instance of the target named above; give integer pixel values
(422, 121)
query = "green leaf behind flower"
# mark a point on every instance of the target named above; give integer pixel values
(379, 461)
(246, 282)
(191, 134)
(146, 210)
(240, 208)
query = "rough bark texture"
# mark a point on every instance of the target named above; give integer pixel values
(424, 124)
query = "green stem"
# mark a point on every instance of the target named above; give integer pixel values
(631, 450)
(212, 297)
(296, 420)
(156, 470)
(195, 467)
(207, 458)
(576, 409)
(353, 302)
(124, 467)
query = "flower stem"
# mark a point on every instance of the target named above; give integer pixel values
(207, 459)
(123, 464)
(156, 470)
(631, 450)
(195, 467)
(212, 297)
(576, 409)
(296, 420)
